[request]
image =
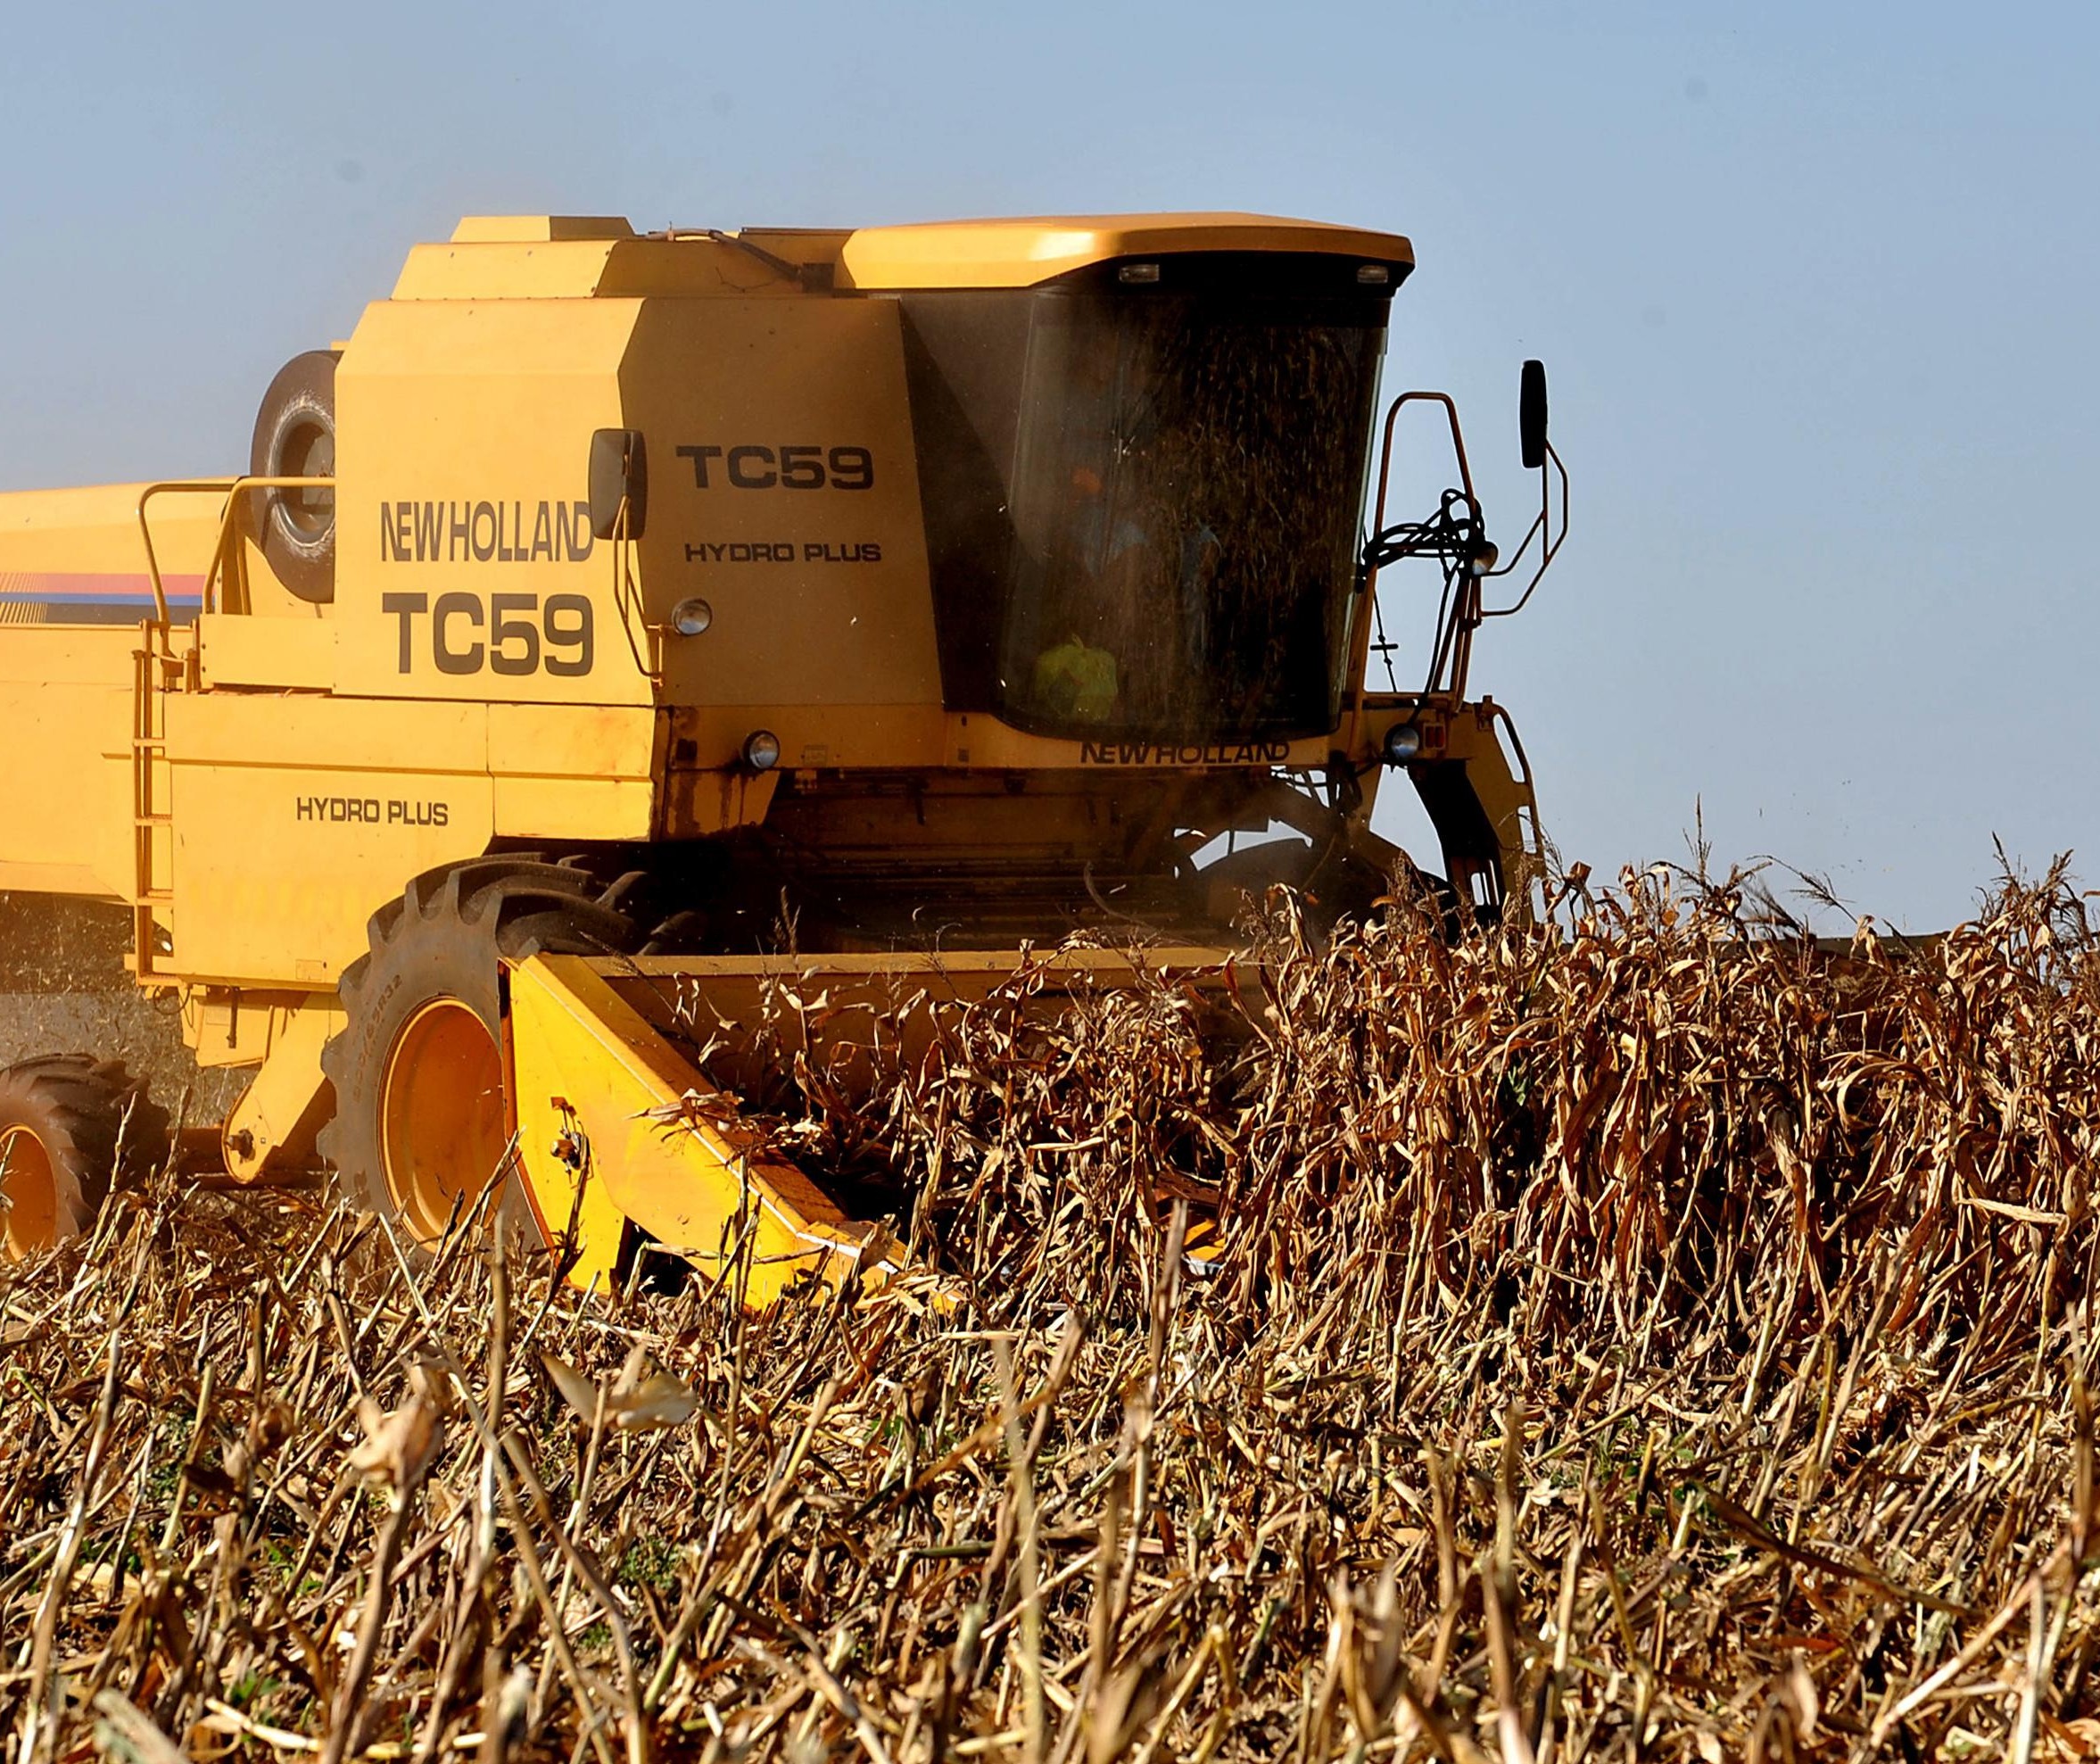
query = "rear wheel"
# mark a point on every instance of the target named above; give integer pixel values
(72, 1128)
(421, 1122)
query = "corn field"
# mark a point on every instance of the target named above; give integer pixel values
(1641, 1337)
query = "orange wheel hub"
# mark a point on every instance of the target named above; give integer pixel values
(31, 1188)
(442, 1127)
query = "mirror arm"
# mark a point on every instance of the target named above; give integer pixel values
(1553, 540)
(1516, 556)
(1541, 522)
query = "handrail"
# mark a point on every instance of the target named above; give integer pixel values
(172, 486)
(230, 488)
(1366, 611)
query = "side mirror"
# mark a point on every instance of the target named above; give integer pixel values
(1531, 414)
(619, 477)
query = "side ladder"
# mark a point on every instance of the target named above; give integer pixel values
(156, 671)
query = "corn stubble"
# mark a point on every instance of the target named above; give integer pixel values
(1643, 1339)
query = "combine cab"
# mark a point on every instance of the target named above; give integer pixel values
(619, 634)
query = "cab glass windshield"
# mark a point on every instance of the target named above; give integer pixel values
(1142, 503)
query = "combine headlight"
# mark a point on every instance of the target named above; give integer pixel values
(762, 749)
(1403, 741)
(689, 618)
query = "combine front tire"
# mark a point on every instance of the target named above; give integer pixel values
(71, 1128)
(421, 1119)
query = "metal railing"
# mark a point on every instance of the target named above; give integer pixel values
(221, 566)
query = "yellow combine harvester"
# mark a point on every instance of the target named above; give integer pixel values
(618, 624)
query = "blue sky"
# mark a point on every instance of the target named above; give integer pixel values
(1816, 287)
